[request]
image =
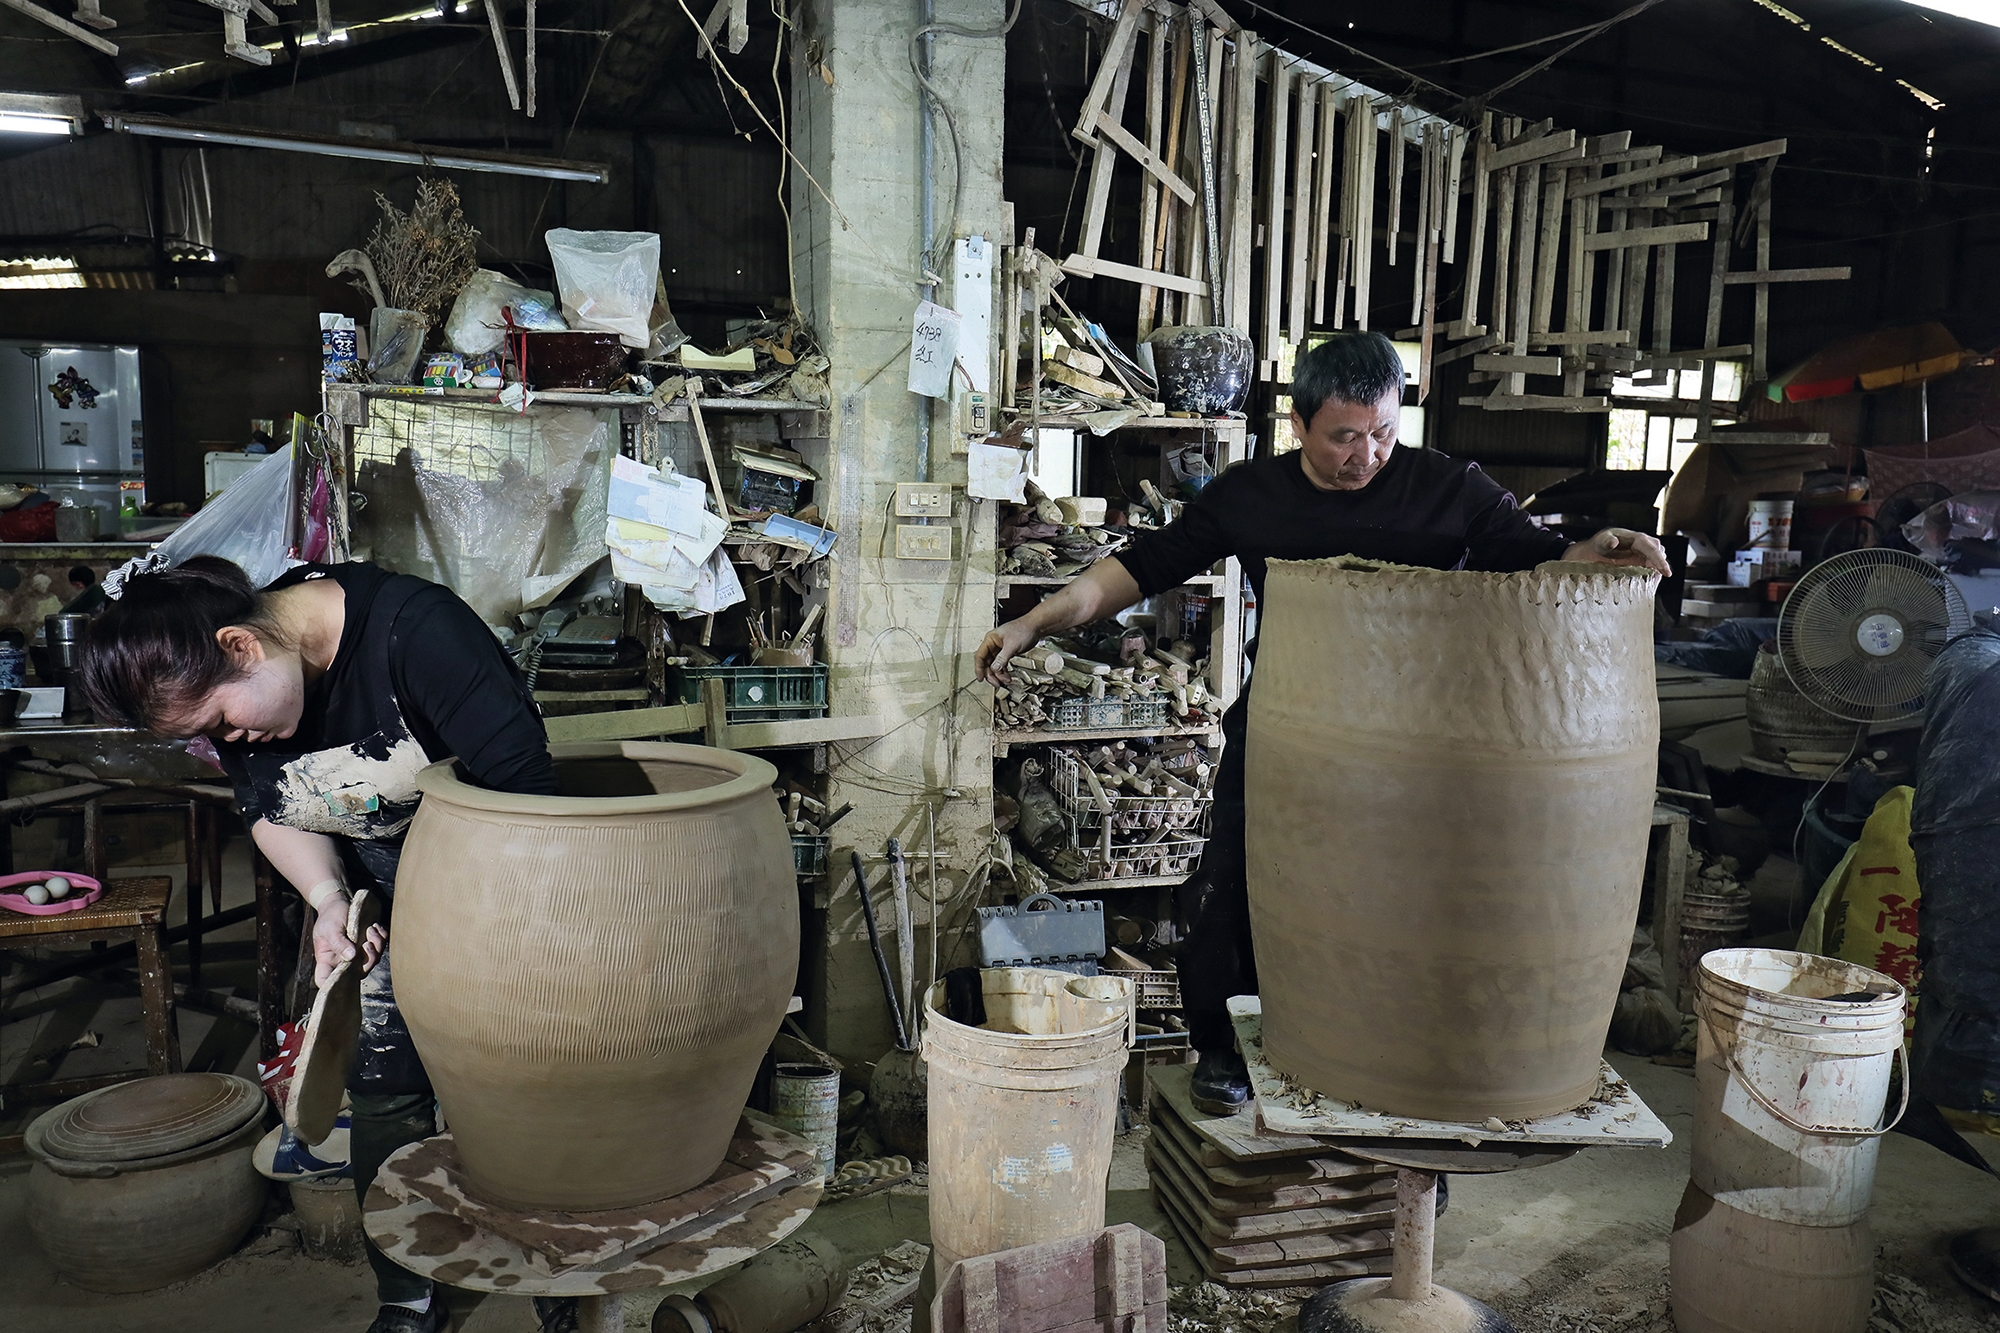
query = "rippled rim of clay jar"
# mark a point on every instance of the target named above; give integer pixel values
(1621, 581)
(743, 774)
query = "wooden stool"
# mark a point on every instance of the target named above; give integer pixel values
(131, 909)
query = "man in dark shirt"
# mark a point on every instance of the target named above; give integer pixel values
(1346, 490)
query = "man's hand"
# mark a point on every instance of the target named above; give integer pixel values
(331, 945)
(999, 647)
(1622, 546)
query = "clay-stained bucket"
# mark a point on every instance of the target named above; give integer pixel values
(1735, 1272)
(806, 1100)
(1791, 1085)
(1023, 1110)
(1449, 793)
(329, 1216)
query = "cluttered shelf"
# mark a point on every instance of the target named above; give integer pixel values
(1212, 425)
(580, 398)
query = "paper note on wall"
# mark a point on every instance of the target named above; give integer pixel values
(674, 502)
(933, 349)
(993, 472)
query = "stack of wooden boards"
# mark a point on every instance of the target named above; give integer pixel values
(1259, 1209)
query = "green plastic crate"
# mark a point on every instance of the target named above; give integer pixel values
(762, 694)
(809, 853)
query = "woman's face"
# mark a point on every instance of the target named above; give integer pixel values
(264, 703)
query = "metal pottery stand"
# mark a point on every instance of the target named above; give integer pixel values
(445, 1247)
(1409, 1301)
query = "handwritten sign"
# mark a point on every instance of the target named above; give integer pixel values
(933, 349)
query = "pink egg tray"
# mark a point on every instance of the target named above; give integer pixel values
(83, 892)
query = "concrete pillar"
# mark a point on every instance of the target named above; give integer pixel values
(899, 633)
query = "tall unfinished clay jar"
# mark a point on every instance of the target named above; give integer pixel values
(591, 978)
(1450, 786)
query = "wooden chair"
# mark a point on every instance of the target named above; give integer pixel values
(131, 910)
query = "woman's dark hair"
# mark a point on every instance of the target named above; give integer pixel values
(153, 651)
(1348, 367)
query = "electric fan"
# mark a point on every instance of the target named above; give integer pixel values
(1857, 634)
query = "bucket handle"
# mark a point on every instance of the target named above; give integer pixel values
(1777, 1112)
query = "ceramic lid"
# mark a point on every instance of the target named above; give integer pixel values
(150, 1117)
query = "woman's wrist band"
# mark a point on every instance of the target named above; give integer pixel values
(317, 895)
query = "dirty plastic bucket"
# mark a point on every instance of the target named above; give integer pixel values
(1023, 1110)
(1791, 1085)
(806, 1100)
(1771, 524)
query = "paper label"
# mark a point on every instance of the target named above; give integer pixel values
(933, 349)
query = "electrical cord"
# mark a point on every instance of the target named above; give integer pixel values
(930, 259)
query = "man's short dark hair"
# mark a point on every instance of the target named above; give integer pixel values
(1349, 368)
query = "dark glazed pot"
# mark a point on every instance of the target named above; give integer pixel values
(1202, 368)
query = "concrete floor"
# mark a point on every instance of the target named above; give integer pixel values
(1580, 1247)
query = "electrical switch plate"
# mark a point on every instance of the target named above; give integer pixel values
(923, 499)
(969, 418)
(918, 541)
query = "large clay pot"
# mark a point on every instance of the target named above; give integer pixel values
(1202, 368)
(137, 1186)
(592, 978)
(1450, 787)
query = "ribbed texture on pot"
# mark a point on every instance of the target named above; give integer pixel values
(591, 995)
(151, 1117)
(1449, 791)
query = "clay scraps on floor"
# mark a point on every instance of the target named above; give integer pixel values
(1902, 1305)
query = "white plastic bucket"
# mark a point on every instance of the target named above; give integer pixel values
(1791, 1085)
(1771, 523)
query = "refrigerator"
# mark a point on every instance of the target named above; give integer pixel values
(70, 421)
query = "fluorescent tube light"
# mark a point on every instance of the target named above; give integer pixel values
(369, 150)
(36, 113)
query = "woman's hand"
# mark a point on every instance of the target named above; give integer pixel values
(331, 946)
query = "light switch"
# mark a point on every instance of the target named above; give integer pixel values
(918, 541)
(923, 499)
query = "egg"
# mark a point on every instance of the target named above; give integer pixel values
(36, 894)
(58, 888)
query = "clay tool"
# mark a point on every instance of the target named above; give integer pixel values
(333, 1032)
(881, 959)
(906, 941)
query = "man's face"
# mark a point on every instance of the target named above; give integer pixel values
(1347, 443)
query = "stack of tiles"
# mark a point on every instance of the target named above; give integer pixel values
(1264, 1210)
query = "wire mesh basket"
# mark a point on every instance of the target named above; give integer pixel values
(1110, 857)
(1129, 813)
(1126, 711)
(1151, 990)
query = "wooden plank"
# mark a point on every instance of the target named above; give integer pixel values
(1663, 299)
(1103, 162)
(1091, 266)
(1277, 141)
(1548, 248)
(1176, 119)
(1591, 159)
(1609, 337)
(1506, 186)
(1761, 320)
(1762, 276)
(1105, 87)
(800, 731)
(1736, 157)
(1712, 329)
(1151, 204)
(1625, 240)
(1639, 202)
(1243, 126)
(1675, 167)
(1323, 178)
(63, 26)
(1209, 255)
(1147, 159)
(506, 56)
(1364, 238)
(1534, 150)
(633, 723)
(1395, 226)
(1350, 175)
(1216, 14)
(1632, 296)
(1529, 365)
(1453, 186)
(1301, 235)
(1524, 402)
(1472, 348)
(1468, 310)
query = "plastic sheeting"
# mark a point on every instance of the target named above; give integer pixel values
(1955, 833)
(503, 508)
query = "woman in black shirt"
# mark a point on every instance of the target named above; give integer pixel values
(326, 693)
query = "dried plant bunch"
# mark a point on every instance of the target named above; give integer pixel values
(425, 256)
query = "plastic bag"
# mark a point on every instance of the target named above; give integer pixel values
(1968, 516)
(478, 320)
(607, 280)
(247, 522)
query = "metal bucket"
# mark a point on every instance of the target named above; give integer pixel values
(806, 1100)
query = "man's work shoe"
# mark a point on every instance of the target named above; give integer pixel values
(1221, 1084)
(402, 1319)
